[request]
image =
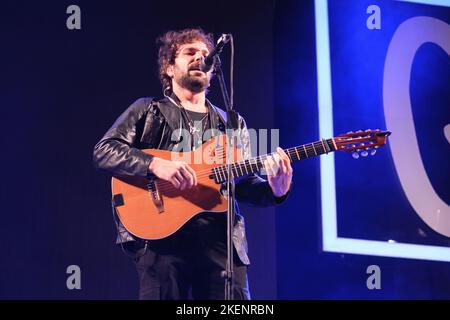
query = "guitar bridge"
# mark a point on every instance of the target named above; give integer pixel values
(156, 197)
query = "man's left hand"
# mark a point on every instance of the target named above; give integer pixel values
(279, 172)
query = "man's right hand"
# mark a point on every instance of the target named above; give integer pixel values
(179, 173)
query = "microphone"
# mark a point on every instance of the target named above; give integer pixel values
(206, 64)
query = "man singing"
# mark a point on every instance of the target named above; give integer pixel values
(190, 261)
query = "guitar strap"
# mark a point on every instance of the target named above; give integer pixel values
(219, 115)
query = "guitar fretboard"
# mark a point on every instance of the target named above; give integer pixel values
(242, 168)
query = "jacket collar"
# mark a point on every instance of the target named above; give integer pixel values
(173, 117)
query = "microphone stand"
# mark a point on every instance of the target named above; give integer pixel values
(231, 125)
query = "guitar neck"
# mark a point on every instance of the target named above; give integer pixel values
(253, 165)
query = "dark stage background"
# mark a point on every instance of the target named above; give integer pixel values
(61, 89)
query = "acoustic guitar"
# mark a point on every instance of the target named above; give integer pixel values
(154, 209)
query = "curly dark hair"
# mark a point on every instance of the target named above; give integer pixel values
(168, 49)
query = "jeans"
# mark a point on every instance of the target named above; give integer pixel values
(189, 263)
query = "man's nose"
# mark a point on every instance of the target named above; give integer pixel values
(199, 56)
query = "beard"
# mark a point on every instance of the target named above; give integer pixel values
(194, 83)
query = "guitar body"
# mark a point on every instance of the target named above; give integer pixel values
(155, 209)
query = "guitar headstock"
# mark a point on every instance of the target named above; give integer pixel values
(362, 141)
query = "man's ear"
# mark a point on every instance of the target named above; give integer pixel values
(169, 71)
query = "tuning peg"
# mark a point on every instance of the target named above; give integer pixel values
(355, 155)
(364, 153)
(373, 151)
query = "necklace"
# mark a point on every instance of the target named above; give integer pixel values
(196, 128)
(193, 127)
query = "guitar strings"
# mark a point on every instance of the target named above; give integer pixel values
(220, 171)
(294, 151)
(256, 160)
(204, 175)
(246, 163)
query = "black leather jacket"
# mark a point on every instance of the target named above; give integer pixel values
(149, 124)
